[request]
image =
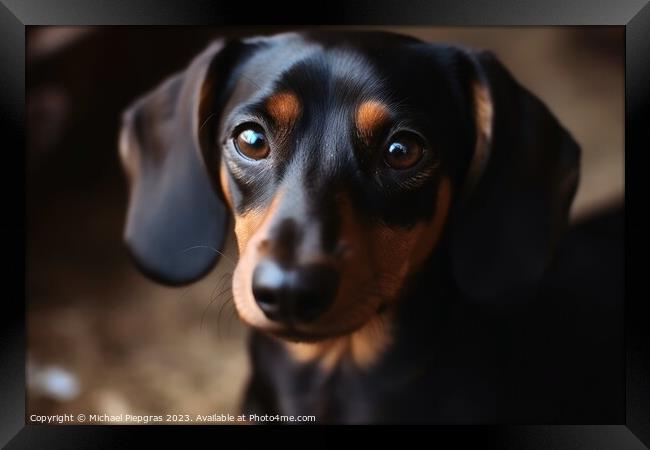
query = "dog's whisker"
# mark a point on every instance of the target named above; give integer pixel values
(214, 290)
(250, 80)
(207, 119)
(214, 297)
(233, 317)
(225, 286)
(223, 291)
(185, 292)
(194, 247)
(223, 306)
(226, 281)
(225, 276)
(205, 310)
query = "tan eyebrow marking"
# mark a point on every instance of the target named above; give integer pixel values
(483, 116)
(284, 108)
(371, 115)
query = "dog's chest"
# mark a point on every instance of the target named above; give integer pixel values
(343, 393)
(414, 382)
(398, 388)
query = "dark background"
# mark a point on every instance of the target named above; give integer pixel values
(102, 338)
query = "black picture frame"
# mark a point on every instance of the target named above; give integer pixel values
(634, 429)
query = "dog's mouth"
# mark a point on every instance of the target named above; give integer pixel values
(300, 333)
(294, 335)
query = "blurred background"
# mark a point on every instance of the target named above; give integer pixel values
(104, 339)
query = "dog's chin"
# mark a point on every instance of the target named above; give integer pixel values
(302, 336)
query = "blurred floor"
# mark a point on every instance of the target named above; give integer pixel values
(135, 347)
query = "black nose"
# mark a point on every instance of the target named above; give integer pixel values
(293, 294)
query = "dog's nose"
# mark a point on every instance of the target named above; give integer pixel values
(294, 294)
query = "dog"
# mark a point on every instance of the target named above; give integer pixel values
(385, 194)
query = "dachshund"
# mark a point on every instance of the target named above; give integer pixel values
(396, 205)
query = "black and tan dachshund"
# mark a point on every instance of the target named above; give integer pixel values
(386, 194)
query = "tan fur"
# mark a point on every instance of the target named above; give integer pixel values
(404, 252)
(363, 347)
(484, 110)
(251, 231)
(225, 187)
(483, 115)
(284, 108)
(371, 115)
(129, 156)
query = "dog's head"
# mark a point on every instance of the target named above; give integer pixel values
(345, 160)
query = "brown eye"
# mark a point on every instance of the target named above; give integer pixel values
(403, 152)
(252, 143)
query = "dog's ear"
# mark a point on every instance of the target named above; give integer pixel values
(176, 221)
(519, 187)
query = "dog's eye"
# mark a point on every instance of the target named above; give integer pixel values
(252, 143)
(403, 151)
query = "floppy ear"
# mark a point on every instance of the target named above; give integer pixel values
(176, 223)
(519, 187)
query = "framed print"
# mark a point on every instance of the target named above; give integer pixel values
(371, 215)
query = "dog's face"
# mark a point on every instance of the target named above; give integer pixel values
(345, 160)
(334, 162)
